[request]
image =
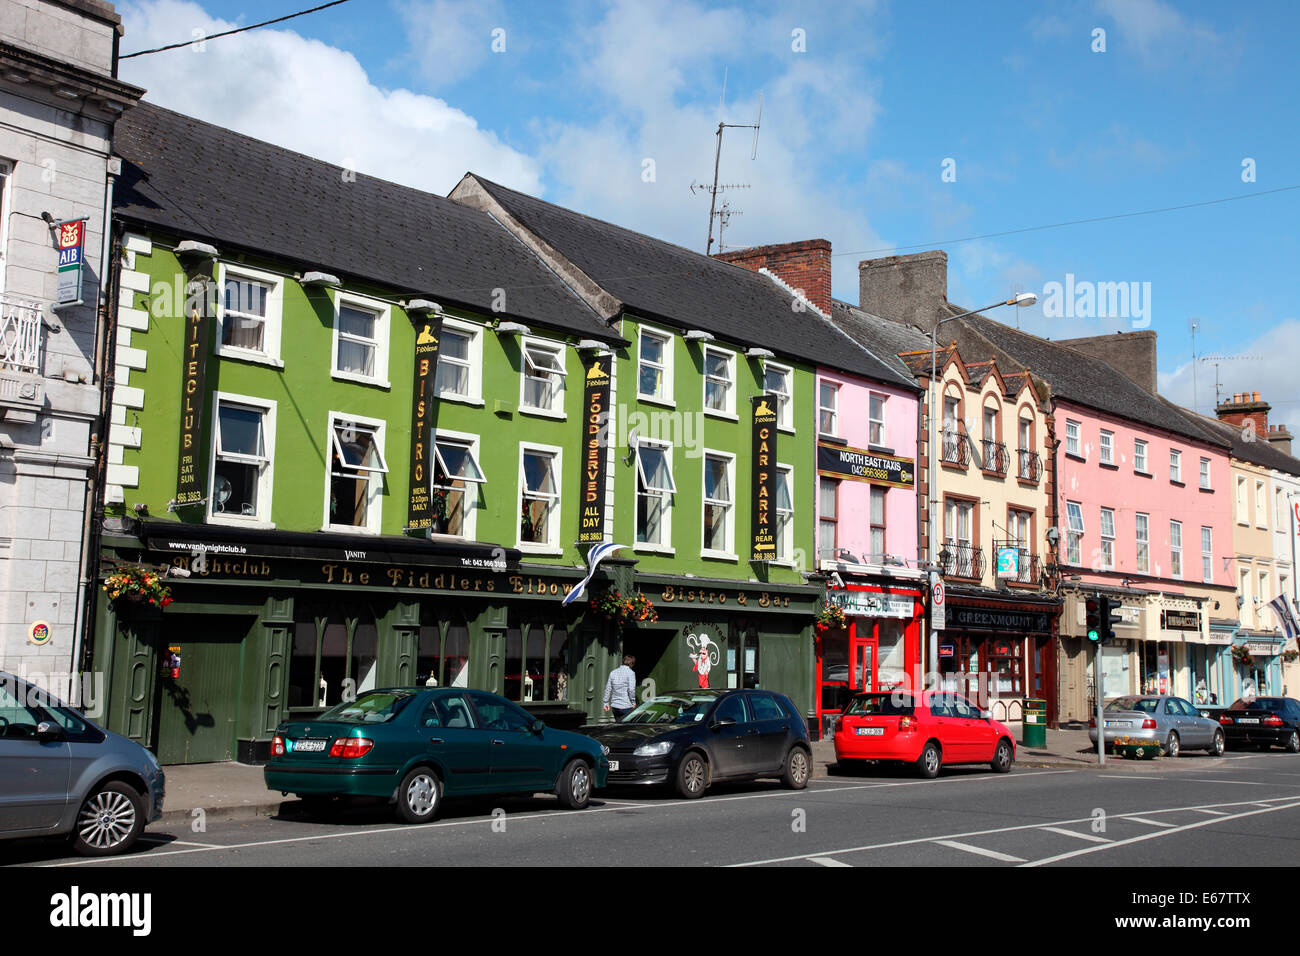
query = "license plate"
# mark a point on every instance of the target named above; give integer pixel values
(613, 765)
(1119, 723)
(1247, 720)
(310, 746)
(871, 731)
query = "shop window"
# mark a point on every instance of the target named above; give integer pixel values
(539, 506)
(891, 670)
(242, 453)
(776, 381)
(333, 658)
(357, 470)
(719, 381)
(654, 495)
(442, 654)
(457, 476)
(543, 385)
(537, 663)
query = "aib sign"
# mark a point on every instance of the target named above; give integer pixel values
(71, 240)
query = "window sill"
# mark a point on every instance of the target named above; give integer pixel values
(788, 429)
(244, 355)
(1143, 474)
(542, 413)
(1208, 491)
(833, 439)
(348, 529)
(654, 549)
(729, 416)
(359, 379)
(1180, 484)
(1109, 466)
(239, 521)
(1028, 482)
(540, 549)
(1076, 457)
(990, 473)
(880, 449)
(461, 399)
(653, 400)
(718, 555)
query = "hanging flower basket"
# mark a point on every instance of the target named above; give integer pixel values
(139, 585)
(1291, 656)
(1241, 654)
(830, 617)
(625, 609)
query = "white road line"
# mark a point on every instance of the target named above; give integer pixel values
(980, 851)
(827, 861)
(1216, 813)
(1150, 823)
(1157, 835)
(976, 833)
(163, 840)
(1236, 783)
(1075, 833)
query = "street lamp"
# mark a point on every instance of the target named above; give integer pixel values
(1020, 300)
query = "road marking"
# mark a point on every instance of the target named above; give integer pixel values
(976, 833)
(1161, 833)
(979, 850)
(1238, 783)
(162, 839)
(1217, 813)
(1150, 823)
(827, 861)
(1075, 833)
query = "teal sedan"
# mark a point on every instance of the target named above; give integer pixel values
(415, 746)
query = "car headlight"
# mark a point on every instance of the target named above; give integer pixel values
(654, 750)
(604, 750)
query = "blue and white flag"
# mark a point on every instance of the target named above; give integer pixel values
(596, 555)
(1283, 611)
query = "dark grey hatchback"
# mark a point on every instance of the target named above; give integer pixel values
(691, 739)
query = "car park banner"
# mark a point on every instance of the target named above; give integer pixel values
(595, 445)
(419, 509)
(762, 513)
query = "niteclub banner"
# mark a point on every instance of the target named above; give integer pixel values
(595, 440)
(419, 511)
(762, 517)
(189, 477)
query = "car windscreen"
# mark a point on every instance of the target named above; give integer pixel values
(669, 710)
(885, 705)
(1146, 705)
(377, 707)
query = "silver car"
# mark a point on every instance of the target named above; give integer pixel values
(1169, 721)
(62, 775)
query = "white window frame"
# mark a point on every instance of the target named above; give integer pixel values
(1205, 473)
(834, 409)
(728, 552)
(475, 362)
(552, 544)
(666, 367)
(1261, 504)
(664, 545)
(375, 494)
(1140, 456)
(785, 408)
(728, 409)
(785, 541)
(1175, 465)
(1142, 537)
(1175, 550)
(272, 322)
(528, 371)
(1074, 548)
(1207, 554)
(383, 325)
(1107, 540)
(469, 523)
(1243, 588)
(874, 424)
(1072, 445)
(266, 480)
(1243, 501)
(1106, 447)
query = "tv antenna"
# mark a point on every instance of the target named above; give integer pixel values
(726, 212)
(1216, 359)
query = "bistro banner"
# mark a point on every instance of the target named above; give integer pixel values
(595, 442)
(189, 478)
(762, 523)
(840, 461)
(419, 510)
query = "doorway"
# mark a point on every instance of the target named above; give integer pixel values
(195, 710)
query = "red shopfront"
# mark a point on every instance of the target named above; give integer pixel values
(879, 650)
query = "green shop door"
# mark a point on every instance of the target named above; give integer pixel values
(196, 710)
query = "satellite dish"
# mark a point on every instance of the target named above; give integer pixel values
(223, 492)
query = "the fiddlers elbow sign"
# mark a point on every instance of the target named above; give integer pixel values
(595, 438)
(762, 521)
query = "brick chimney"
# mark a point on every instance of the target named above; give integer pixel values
(1246, 407)
(911, 289)
(804, 265)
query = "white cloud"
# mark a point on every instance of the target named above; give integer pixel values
(450, 39)
(313, 98)
(1162, 35)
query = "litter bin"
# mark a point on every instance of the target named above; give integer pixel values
(1035, 727)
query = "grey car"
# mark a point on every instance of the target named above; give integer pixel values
(1169, 721)
(60, 775)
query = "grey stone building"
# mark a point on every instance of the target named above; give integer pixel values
(59, 100)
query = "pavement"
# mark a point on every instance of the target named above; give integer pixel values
(235, 791)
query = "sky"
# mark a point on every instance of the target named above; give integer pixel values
(886, 128)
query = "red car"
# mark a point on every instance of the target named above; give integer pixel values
(928, 730)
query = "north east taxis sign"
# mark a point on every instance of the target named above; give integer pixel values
(842, 461)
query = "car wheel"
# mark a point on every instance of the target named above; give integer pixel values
(927, 765)
(795, 775)
(109, 820)
(1293, 743)
(1218, 746)
(692, 776)
(1171, 745)
(575, 785)
(418, 796)
(1002, 757)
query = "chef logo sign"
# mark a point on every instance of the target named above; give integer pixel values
(70, 237)
(762, 518)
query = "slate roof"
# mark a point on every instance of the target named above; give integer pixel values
(204, 182)
(885, 338)
(1080, 378)
(688, 290)
(1257, 452)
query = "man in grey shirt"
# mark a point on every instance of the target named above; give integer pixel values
(620, 689)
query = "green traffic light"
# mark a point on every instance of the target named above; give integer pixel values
(1093, 635)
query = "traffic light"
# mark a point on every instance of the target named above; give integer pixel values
(1093, 605)
(1108, 617)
